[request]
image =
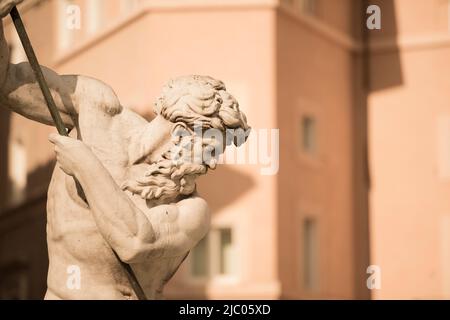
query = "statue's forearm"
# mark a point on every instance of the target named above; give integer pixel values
(4, 56)
(20, 92)
(120, 222)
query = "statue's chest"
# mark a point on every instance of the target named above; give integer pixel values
(70, 221)
(105, 140)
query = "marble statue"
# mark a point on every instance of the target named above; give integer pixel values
(139, 201)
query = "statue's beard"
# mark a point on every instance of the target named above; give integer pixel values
(166, 180)
(174, 175)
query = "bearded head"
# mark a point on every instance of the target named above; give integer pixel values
(194, 105)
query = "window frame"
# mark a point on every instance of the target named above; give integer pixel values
(213, 245)
(307, 264)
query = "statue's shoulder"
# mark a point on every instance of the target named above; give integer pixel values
(193, 200)
(96, 95)
(194, 216)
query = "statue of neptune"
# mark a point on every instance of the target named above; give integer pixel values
(139, 202)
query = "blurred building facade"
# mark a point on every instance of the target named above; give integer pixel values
(364, 157)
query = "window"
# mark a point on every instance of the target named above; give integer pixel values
(81, 19)
(69, 20)
(302, 6)
(214, 255)
(443, 147)
(445, 253)
(310, 255)
(226, 252)
(17, 170)
(200, 259)
(448, 15)
(95, 17)
(127, 6)
(308, 128)
(308, 6)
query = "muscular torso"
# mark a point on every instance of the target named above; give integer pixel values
(74, 242)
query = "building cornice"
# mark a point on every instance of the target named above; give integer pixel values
(64, 56)
(389, 44)
(210, 4)
(161, 6)
(320, 28)
(422, 42)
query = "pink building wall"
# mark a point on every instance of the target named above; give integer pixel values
(408, 139)
(377, 183)
(316, 82)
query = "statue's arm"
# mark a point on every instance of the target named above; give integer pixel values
(20, 92)
(165, 230)
(179, 226)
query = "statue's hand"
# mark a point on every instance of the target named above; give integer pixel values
(7, 5)
(70, 153)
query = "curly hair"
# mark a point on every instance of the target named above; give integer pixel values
(200, 100)
(192, 101)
